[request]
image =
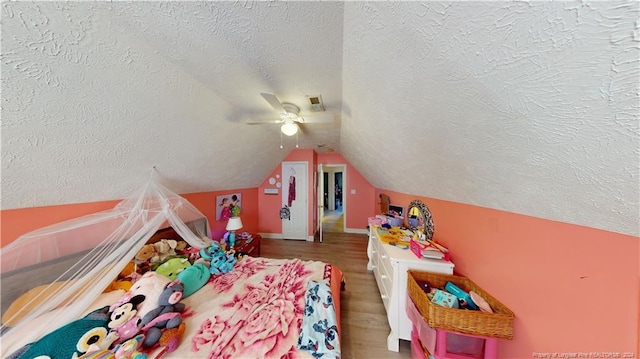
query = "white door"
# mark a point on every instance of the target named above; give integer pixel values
(320, 194)
(295, 195)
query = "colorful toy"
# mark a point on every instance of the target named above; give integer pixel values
(126, 350)
(172, 267)
(151, 285)
(130, 349)
(193, 278)
(164, 248)
(170, 339)
(145, 253)
(125, 279)
(71, 340)
(181, 246)
(219, 261)
(222, 264)
(124, 321)
(165, 315)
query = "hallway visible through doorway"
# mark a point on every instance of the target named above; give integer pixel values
(333, 221)
(334, 183)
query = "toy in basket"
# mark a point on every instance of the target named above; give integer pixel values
(498, 324)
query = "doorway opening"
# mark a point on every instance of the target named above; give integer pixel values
(333, 217)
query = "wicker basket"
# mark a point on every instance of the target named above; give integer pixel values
(498, 324)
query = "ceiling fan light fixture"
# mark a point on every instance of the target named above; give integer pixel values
(289, 128)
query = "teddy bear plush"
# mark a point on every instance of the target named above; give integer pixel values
(145, 254)
(165, 315)
(164, 249)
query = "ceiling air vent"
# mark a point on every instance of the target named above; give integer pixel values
(316, 103)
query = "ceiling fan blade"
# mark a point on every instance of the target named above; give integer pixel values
(325, 117)
(268, 122)
(274, 102)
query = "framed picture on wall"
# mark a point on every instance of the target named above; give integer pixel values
(228, 206)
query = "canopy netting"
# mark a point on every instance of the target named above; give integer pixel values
(77, 259)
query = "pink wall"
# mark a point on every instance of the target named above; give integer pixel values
(568, 291)
(572, 288)
(206, 203)
(16, 222)
(361, 205)
(269, 205)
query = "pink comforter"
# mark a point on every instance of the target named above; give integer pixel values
(254, 311)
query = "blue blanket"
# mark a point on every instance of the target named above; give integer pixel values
(319, 332)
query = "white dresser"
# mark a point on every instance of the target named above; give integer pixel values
(389, 265)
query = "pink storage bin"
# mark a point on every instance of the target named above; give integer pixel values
(425, 333)
(416, 348)
(374, 221)
(456, 344)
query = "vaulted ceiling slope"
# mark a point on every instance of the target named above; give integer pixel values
(529, 107)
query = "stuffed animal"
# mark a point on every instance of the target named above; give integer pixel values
(145, 253)
(219, 261)
(172, 267)
(130, 349)
(125, 279)
(165, 315)
(124, 320)
(181, 246)
(164, 249)
(193, 278)
(71, 340)
(222, 264)
(151, 285)
(170, 339)
(127, 350)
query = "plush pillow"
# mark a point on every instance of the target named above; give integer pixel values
(29, 301)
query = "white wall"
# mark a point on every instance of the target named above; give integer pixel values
(528, 107)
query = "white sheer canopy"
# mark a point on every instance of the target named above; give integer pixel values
(88, 252)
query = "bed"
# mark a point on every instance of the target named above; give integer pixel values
(262, 308)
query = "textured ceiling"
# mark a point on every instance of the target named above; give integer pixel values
(529, 107)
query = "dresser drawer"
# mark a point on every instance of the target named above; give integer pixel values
(384, 286)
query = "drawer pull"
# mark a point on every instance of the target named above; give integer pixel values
(374, 266)
(384, 256)
(383, 296)
(383, 276)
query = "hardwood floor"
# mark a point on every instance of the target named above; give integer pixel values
(363, 318)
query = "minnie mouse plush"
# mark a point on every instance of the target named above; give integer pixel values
(123, 318)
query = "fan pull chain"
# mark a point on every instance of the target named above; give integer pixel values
(296, 139)
(281, 146)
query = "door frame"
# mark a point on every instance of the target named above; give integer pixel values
(345, 182)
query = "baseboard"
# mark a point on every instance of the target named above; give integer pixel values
(271, 235)
(312, 238)
(356, 231)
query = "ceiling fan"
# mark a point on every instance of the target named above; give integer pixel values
(290, 115)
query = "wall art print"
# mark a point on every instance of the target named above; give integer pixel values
(227, 206)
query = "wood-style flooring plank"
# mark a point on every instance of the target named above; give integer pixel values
(363, 317)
